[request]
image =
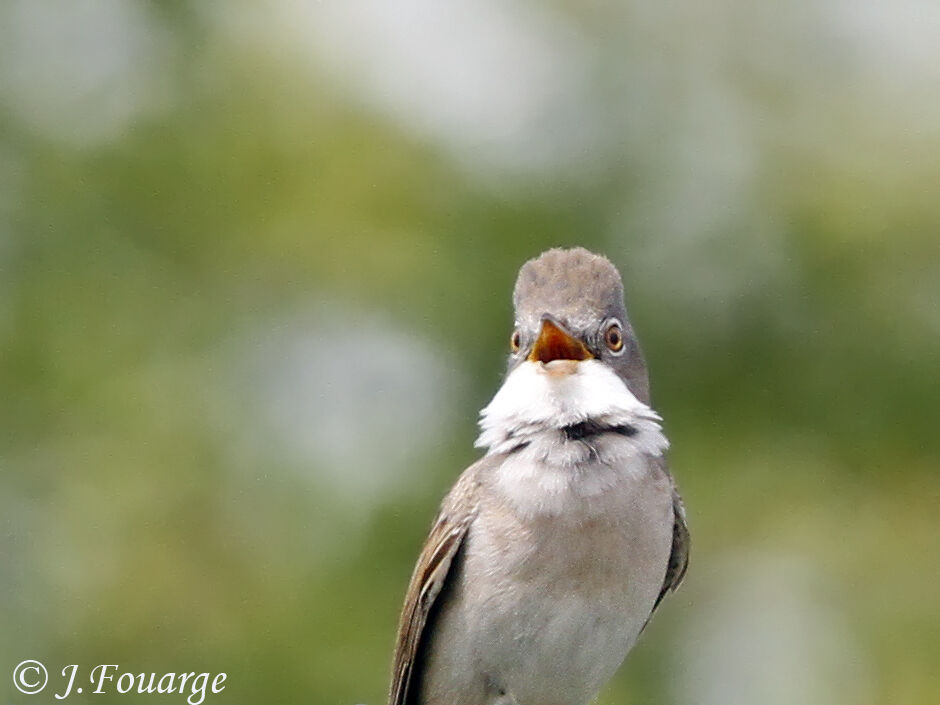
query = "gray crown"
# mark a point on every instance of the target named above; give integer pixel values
(582, 291)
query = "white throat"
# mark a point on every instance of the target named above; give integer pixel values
(549, 470)
(532, 401)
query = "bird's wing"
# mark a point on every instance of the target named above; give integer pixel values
(429, 577)
(679, 557)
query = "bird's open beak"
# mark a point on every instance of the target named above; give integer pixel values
(555, 343)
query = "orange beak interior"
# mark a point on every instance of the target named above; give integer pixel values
(554, 343)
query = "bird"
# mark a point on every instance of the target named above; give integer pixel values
(551, 553)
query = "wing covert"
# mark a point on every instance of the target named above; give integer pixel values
(428, 579)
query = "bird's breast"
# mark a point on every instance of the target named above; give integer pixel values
(548, 603)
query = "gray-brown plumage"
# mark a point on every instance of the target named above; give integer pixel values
(577, 286)
(551, 553)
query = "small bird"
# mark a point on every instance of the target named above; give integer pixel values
(551, 553)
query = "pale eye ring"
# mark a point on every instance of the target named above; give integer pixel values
(613, 337)
(515, 340)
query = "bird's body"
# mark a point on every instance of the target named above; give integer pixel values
(550, 553)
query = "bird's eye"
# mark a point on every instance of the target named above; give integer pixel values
(515, 342)
(613, 336)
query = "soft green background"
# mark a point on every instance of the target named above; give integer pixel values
(255, 267)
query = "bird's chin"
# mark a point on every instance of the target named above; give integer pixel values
(558, 368)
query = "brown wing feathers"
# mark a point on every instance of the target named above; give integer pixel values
(427, 581)
(679, 558)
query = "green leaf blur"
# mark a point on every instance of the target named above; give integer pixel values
(255, 277)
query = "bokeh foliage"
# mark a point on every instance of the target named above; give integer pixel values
(160, 282)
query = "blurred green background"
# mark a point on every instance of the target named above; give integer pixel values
(255, 273)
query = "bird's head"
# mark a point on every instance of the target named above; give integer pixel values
(569, 308)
